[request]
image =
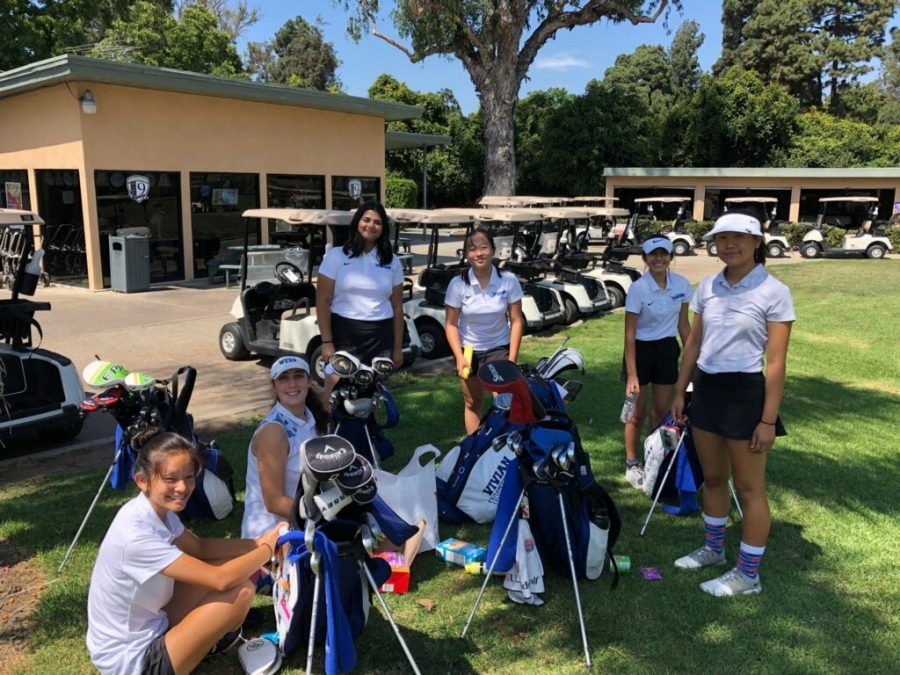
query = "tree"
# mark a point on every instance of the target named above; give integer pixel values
(824, 140)
(151, 35)
(646, 71)
(683, 61)
(810, 46)
(299, 56)
(232, 20)
(491, 39)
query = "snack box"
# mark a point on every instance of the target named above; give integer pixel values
(398, 582)
(460, 552)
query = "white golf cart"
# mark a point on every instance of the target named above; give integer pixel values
(40, 390)
(426, 307)
(604, 215)
(764, 209)
(870, 240)
(273, 313)
(624, 237)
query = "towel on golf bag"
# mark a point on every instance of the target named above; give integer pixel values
(525, 581)
(344, 603)
(592, 518)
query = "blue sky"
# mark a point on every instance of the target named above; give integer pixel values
(570, 60)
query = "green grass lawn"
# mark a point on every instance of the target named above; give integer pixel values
(831, 599)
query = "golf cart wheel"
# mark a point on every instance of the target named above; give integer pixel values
(712, 249)
(317, 364)
(810, 250)
(775, 250)
(681, 247)
(876, 252)
(434, 342)
(571, 310)
(616, 295)
(231, 342)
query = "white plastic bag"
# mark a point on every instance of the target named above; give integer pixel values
(411, 493)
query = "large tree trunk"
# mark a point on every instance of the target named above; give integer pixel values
(498, 88)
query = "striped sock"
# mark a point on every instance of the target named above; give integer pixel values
(749, 558)
(714, 533)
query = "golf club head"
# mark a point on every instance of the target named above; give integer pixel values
(570, 453)
(368, 540)
(515, 442)
(331, 500)
(309, 535)
(315, 562)
(374, 526)
(498, 443)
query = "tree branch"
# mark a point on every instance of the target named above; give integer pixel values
(591, 12)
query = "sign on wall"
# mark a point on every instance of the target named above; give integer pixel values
(354, 186)
(14, 196)
(138, 187)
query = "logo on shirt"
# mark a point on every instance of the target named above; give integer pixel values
(385, 266)
(678, 297)
(348, 263)
(502, 293)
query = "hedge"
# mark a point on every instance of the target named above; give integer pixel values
(400, 193)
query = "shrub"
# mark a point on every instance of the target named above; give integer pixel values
(698, 228)
(400, 193)
(893, 233)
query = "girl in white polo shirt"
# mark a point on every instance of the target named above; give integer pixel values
(359, 293)
(656, 310)
(483, 309)
(161, 598)
(742, 317)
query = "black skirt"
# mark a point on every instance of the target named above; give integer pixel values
(364, 339)
(729, 404)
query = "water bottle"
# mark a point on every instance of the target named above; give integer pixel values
(32, 273)
(629, 408)
(480, 568)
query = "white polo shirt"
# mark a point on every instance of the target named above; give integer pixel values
(483, 321)
(362, 285)
(657, 308)
(735, 319)
(128, 590)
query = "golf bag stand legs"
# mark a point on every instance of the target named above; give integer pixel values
(672, 462)
(565, 525)
(490, 571)
(390, 618)
(317, 590)
(90, 510)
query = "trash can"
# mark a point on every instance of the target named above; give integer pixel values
(129, 263)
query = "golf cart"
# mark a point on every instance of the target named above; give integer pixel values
(870, 241)
(40, 390)
(603, 218)
(624, 238)
(427, 309)
(764, 210)
(273, 311)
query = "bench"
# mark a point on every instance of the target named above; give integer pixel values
(406, 259)
(403, 243)
(228, 268)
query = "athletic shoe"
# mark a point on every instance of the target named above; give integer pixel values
(228, 641)
(635, 476)
(702, 557)
(733, 582)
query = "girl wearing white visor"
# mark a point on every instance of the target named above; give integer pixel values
(742, 318)
(656, 310)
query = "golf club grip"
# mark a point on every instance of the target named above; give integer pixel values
(183, 397)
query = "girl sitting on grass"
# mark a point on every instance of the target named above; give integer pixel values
(161, 598)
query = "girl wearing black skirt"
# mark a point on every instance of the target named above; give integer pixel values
(742, 316)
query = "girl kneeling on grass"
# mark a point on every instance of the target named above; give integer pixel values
(161, 599)
(741, 315)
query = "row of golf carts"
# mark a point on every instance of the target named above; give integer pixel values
(275, 315)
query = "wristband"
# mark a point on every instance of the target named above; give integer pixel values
(327, 342)
(768, 424)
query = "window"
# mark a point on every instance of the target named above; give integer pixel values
(59, 195)
(159, 211)
(343, 200)
(217, 202)
(16, 194)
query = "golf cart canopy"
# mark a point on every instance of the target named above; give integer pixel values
(303, 216)
(662, 200)
(566, 212)
(861, 200)
(490, 201)
(430, 216)
(19, 217)
(582, 200)
(751, 200)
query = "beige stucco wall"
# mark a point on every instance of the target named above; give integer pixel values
(700, 184)
(152, 130)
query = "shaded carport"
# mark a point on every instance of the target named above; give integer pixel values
(405, 140)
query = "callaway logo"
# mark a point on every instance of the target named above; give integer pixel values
(254, 645)
(352, 473)
(330, 453)
(494, 374)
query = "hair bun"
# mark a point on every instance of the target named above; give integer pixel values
(142, 437)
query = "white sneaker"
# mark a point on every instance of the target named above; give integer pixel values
(733, 582)
(702, 557)
(635, 476)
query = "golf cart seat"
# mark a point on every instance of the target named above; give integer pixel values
(438, 277)
(529, 271)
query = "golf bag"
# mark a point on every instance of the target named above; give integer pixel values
(336, 520)
(676, 488)
(469, 477)
(163, 404)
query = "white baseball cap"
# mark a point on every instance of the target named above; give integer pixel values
(286, 363)
(656, 242)
(734, 222)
